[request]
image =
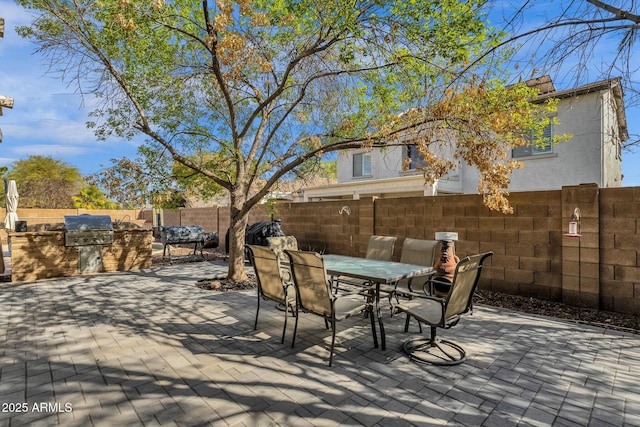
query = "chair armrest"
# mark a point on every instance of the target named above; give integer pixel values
(417, 295)
(394, 302)
(347, 294)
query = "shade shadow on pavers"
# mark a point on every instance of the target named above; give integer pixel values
(147, 348)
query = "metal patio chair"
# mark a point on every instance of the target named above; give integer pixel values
(313, 290)
(442, 313)
(381, 247)
(270, 284)
(378, 247)
(418, 252)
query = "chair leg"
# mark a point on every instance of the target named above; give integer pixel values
(406, 324)
(373, 327)
(286, 315)
(333, 340)
(255, 325)
(295, 328)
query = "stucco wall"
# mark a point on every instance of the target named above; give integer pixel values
(573, 162)
(590, 156)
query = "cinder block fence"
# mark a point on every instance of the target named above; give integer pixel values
(533, 254)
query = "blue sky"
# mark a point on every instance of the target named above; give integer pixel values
(48, 118)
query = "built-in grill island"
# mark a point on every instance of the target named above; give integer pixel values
(89, 233)
(81, 244)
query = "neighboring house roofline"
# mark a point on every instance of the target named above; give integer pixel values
(613, 84)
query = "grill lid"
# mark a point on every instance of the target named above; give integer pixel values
(87, 222)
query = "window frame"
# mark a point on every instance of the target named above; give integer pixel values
(531, 149)
(363, 166)
(415, 164)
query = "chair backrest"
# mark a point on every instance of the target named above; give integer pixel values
(381, 247)
(278, 245)
(310, 279)
(465, 281)
(419, 252)
(265, 265)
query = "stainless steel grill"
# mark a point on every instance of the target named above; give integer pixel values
(88, 230)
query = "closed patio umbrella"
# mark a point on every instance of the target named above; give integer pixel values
(12, 205)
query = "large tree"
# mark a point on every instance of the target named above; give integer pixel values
(244, 92)
(45, 182)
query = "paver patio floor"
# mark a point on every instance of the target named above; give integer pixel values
(150, 348)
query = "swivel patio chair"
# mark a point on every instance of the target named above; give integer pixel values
(313, 290)
(270, 284)
(442, 313)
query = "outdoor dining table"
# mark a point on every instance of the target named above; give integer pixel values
(375, 272)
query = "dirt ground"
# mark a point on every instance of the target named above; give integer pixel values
(617, 321)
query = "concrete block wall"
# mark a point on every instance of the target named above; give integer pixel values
(171, 218)
(321, 227)
(581, 255)
(205, 217)
(619, 249)
(533, 256)
(52, 216)
(526, 257)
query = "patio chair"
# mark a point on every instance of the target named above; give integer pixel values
(381, 247)
(270, 284)
(442, 313)
(418, 252)
(313, 290)
(378, 247)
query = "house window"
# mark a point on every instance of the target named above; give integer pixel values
(532, 148)
(362, 164)
(416, 159)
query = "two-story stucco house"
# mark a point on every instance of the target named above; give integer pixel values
(594, 114)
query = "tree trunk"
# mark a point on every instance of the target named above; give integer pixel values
(237, 231)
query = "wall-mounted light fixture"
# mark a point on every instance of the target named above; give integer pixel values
(574, 224)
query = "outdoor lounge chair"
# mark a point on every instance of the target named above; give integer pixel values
(442, 313)
(270, 285)
(313, 290)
